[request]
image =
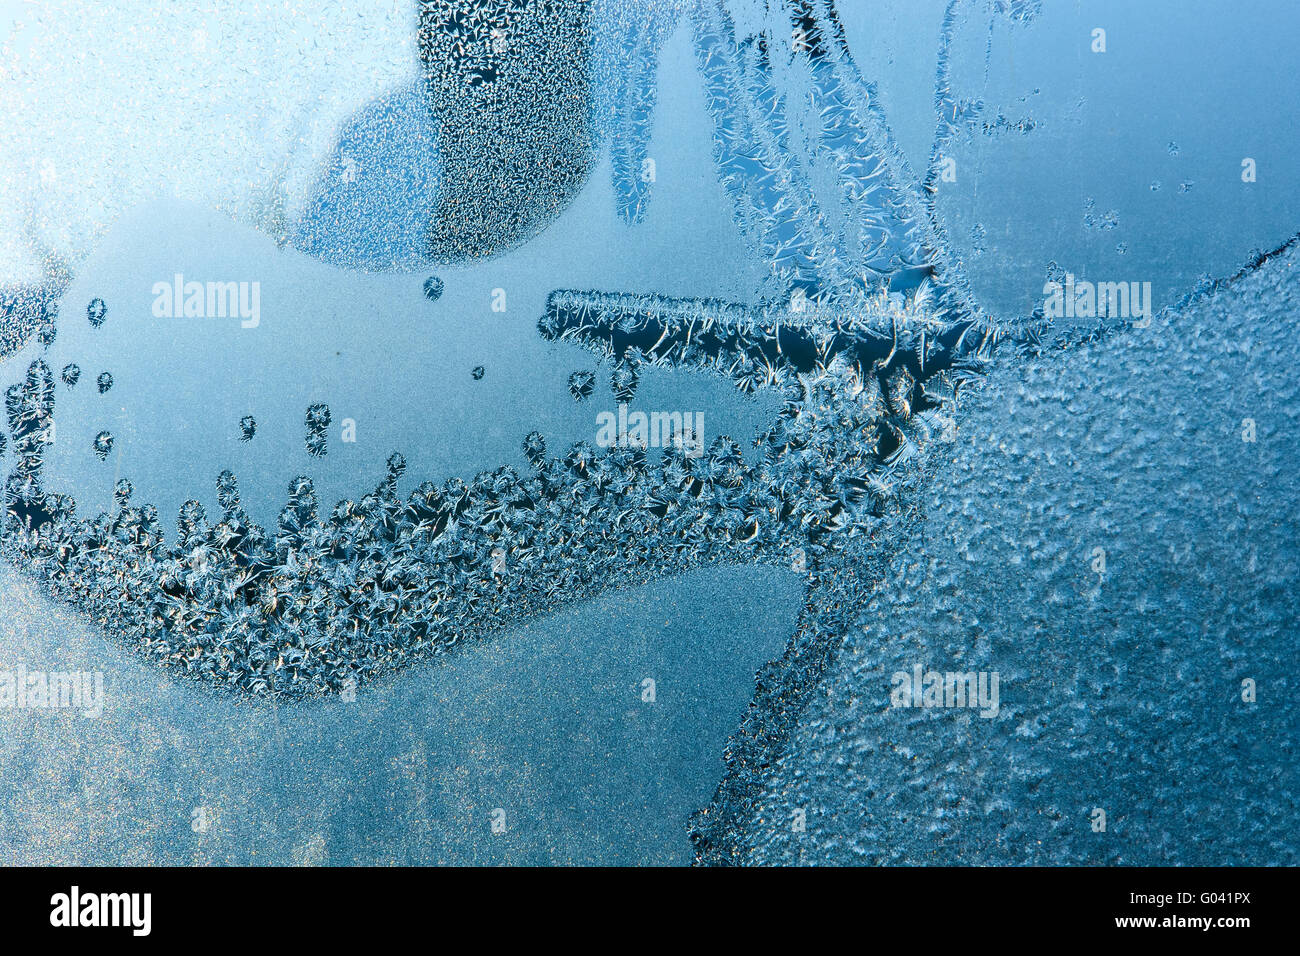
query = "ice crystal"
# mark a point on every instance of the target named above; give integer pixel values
(581, 384)
(317, 421)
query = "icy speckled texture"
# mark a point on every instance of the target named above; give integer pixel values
(549, 724)
(1121, 691)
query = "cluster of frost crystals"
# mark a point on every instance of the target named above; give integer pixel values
(581, 384)
(317, 421)
(333, 595)
(103, 445)
(509, 85)
(898, 342)
(1113, 533)
(29, 412)
(628, 36)
(819, 185)
(27, 309)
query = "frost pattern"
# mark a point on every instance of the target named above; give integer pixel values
(1131, 675)
(376, 583)
(507, 84)
(868, 331)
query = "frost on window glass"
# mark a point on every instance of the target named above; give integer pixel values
(427, 341)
